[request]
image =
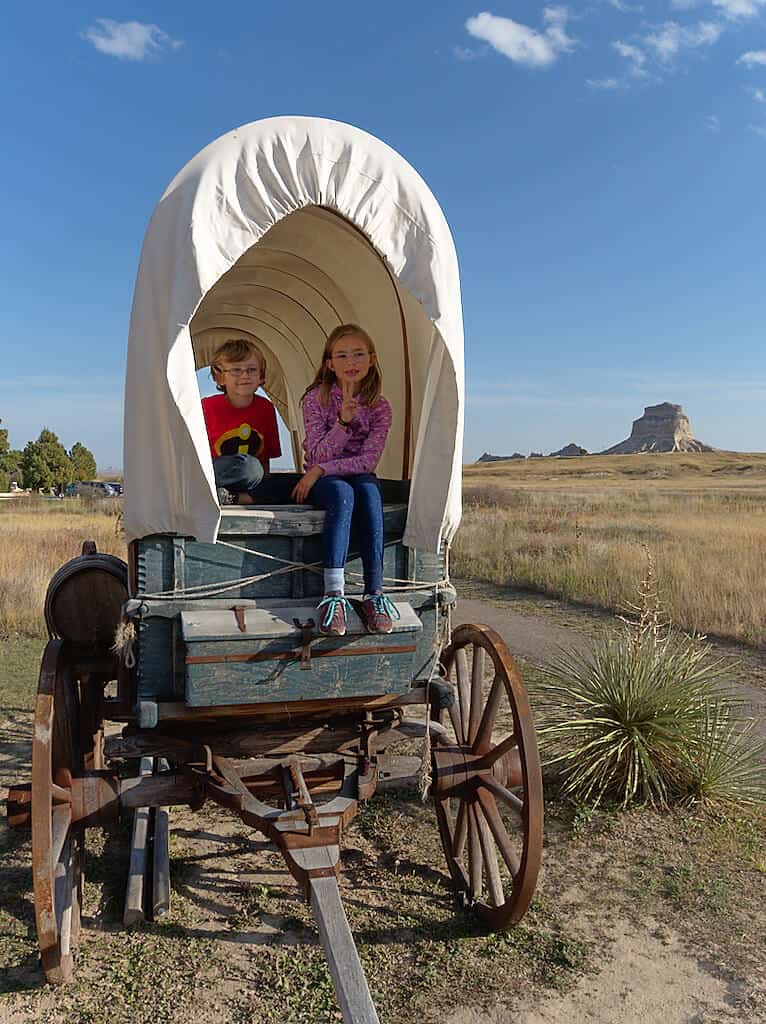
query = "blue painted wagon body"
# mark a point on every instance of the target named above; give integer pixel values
(205, 640)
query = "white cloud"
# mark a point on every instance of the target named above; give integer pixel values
(634, 55)
(603, 83)
(521, 44)
(758, 94)
(666, 40)
(758, 129)
(128, 40)
(737, 10)
(752, 58)
(713, 123)
(556, 19)
(620, 5)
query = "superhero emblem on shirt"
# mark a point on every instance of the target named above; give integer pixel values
(242, 440)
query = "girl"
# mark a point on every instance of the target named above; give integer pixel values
(347, 421)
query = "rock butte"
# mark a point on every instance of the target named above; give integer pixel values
(662, 428)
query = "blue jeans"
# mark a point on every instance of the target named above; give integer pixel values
(238, 473)
(344, 497)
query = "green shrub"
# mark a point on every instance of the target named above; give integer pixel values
(728, 763)
(644, 718)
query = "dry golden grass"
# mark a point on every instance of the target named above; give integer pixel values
(579, 529)
(575, 528)
(36, 538)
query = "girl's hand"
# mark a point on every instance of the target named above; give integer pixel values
(301, 490)
(350, 404)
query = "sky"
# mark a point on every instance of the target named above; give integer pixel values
(601, 165)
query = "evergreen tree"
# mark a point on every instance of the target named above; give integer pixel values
(45, 463)
(83, 463)
(9, 462)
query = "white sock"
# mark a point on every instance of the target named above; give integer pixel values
(334, 581)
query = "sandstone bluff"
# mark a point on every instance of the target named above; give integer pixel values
(662, 428)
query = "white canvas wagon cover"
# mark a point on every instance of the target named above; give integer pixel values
(278, 231)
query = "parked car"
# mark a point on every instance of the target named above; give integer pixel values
(94, 488)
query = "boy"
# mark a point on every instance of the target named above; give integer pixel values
(241, 426)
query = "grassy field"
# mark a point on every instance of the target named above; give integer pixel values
(36, 538)
(580, 529)
(577, 529)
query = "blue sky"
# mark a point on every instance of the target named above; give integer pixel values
(601, 165)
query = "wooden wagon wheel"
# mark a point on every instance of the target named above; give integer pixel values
(487, 780)
(57, 844)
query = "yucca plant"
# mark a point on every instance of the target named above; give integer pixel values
(622, 722)
(727, 764)
(646, 716)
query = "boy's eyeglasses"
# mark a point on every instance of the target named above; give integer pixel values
(239, 371)
(344, 357)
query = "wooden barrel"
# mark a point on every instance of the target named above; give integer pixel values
(85, 598)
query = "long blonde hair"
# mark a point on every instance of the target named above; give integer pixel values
(369, 389)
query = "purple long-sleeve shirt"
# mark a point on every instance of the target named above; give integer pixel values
(339, 450)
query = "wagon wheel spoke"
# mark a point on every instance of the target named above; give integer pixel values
(475, 858)
(487, 784)
(498, 790)
(489, 855)
(454, 717)
(463, 692)
(483, 735)
(461, 830)
(499, 832)
(502, 748)
(477, 694)
(56, 841)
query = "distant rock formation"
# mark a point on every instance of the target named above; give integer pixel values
(486, 457)
(569, 451)
(662, 428)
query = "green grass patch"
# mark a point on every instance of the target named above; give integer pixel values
(19, 668)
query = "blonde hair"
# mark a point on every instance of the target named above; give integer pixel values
(369, 389)
(235, 350)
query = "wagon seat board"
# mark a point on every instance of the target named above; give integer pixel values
(254, 654)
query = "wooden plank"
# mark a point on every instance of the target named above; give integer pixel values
(134, 894)
(327, 707)
(351, 988)
(161, 856)
(398, 771)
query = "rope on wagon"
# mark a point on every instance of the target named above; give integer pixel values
(205, 590)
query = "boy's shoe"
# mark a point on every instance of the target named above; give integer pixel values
(378, 612)
(332, 614)
(225, 497)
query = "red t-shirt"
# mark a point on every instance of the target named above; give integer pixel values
(248, 431)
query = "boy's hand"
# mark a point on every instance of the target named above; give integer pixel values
(350, 404)
(301, 490)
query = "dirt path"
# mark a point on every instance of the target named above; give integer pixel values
(537, 630)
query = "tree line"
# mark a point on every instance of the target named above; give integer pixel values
(44, 463)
